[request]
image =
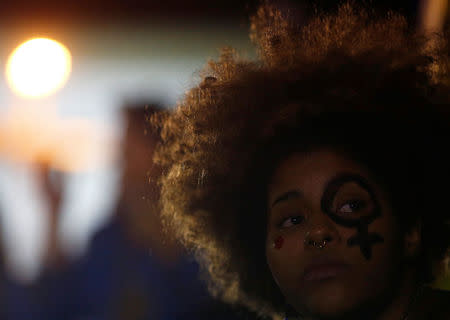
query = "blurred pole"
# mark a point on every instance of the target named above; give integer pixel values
(51, 183)
(432, 15)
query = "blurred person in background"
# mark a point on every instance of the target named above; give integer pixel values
(132, 270)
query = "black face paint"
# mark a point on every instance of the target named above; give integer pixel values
(363, 238)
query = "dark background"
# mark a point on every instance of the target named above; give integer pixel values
(141, 10)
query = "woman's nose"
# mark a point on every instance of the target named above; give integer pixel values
(320, 234)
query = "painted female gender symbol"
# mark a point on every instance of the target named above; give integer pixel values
(363, 238)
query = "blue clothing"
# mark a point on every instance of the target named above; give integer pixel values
(117, 280)
(16, 300)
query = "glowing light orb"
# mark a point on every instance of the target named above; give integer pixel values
(38, 67)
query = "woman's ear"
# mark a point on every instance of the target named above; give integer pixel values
(413, 240)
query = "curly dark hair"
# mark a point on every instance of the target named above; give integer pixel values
(357, 81)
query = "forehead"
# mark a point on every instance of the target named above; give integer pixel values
(312, 170)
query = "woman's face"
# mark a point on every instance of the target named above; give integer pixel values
(332, 245)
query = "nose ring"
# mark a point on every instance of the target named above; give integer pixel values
(319, 245)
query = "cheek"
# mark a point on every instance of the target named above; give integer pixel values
(278, 243)
(385, 226)
(389, 253)
(381, 269)
(284, 255)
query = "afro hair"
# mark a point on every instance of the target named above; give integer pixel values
(356, 80)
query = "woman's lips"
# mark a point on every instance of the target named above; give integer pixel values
(324, 271)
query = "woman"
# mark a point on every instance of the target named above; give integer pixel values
(311, 184)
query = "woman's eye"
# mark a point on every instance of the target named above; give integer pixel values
(289, 222)
(352, 206)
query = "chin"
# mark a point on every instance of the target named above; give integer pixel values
(329, 301)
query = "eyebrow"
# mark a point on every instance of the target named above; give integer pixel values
(286, 196)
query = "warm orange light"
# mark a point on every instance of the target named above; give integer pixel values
(28, 135)
(38, 67)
